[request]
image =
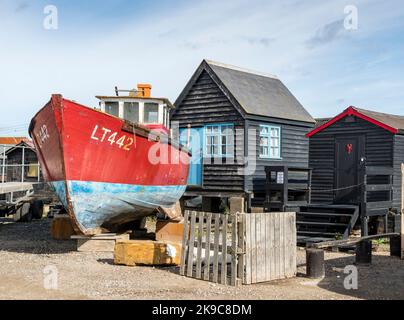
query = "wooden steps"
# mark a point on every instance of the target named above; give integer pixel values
(317, 223)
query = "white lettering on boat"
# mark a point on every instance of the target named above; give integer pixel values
(93, 135)
(106, 135)
(43, 135)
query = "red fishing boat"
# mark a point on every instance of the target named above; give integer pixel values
(108, 171)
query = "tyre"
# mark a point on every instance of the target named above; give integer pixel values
(25, 212)
(37, 209)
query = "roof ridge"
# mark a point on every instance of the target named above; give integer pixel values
(384, 113)
(229, 66)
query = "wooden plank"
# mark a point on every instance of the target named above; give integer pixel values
(294, 244)
(379, 170)
(253, 249)
(247, 279)
(216, 248)
(185, 243)
(206, 272)
(272, 246)
(277, 245)
(223, 269)
(289, 243)
(402, 211)
(234, 256)
(258, 244)
(241, 221)
(378, 187)
(267, 246)
(190, 262)
(283, 217)
(263, 246)
(199, 247)
(379, 205)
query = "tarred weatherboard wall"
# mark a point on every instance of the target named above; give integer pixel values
(381, 149)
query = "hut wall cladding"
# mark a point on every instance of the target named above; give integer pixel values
(378, 152)
(294, 150)
(207, 104)
(398, 160)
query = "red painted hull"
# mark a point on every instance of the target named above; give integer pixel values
(77, 143)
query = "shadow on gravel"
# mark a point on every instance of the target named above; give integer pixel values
(31, 237)
(383, 279)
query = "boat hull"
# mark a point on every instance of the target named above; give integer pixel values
(105, 171)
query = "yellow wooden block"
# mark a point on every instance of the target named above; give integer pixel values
(147, 252)
(169, 231)
(62, 228)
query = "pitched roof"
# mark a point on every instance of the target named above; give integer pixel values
(25, 143)
(259, 93)
(389, 122)
(12, 140)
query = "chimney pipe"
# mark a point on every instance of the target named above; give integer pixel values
(144, 90)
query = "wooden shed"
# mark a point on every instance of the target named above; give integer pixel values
(236, 122)
(22, 163)
(356, 159)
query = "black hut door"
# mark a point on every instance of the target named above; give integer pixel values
(349, 151)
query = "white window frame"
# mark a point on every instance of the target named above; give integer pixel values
(270, 145)
(220, 136)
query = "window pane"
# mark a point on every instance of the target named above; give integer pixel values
(264, 129)
(112, 108)
(151, 112)
(131, 111)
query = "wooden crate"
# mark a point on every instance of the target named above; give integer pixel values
(239, 248)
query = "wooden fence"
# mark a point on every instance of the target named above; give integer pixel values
(240, 248)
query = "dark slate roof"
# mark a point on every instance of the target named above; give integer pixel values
(394, 121)
(321, 121)
(259, 93)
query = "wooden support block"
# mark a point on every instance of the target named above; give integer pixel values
(236, 205)
(62, 227)
(315, 263)
(364, 253)
(169, 231)
(99, 243)
(147, 252)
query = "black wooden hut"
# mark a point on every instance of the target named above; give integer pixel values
(236, 122)
(356, 160)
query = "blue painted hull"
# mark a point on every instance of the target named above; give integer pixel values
(98, 205)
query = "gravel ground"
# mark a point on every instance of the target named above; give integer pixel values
(27, 248)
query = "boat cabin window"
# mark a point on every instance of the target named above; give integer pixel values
(131, 111)
(112, 108)
(151, 112)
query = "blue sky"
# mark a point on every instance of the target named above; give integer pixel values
(100, 44)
